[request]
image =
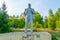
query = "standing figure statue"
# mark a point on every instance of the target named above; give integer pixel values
(29, 17)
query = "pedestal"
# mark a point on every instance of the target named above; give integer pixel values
(19, 36)
(38, 36)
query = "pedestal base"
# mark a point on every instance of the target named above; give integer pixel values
(38, 36)
(19, 36)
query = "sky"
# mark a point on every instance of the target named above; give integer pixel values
(16, 7)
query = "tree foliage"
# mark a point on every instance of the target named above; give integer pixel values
(51, 20)
(4, 19)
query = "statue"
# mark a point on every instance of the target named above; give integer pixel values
(29, 17)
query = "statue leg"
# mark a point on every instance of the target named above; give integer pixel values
(31, 26)
(26, 25)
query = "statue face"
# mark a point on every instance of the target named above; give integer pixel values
(29, 5)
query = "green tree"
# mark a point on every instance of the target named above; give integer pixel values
(17, 22)
(4, 18)
(57, 18)
(38, 20)
(45, 22)
(22, 20)
(51, 20)
(14, 22)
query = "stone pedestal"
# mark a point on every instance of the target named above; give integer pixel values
(19, 36)
(38, 36)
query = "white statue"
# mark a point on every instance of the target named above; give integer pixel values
(29, 17)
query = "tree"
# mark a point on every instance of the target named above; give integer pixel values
(14, 22)
(45, 22)
(57, 18)
(38, 20)
(51, 20)
(17, 22)
(4, 18)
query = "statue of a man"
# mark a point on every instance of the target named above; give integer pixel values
(29, 17)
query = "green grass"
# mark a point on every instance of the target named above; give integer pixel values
(55, 35)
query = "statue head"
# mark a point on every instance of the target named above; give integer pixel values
(29, 5)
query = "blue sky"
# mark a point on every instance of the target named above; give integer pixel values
(16, 7)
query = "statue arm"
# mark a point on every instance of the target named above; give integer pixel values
(33, 11)
(25, 12)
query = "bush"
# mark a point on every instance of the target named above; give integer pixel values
(54, 38)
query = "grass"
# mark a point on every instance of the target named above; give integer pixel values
(55, 35)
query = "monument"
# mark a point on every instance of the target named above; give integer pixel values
(33, 35)
(29, 17)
